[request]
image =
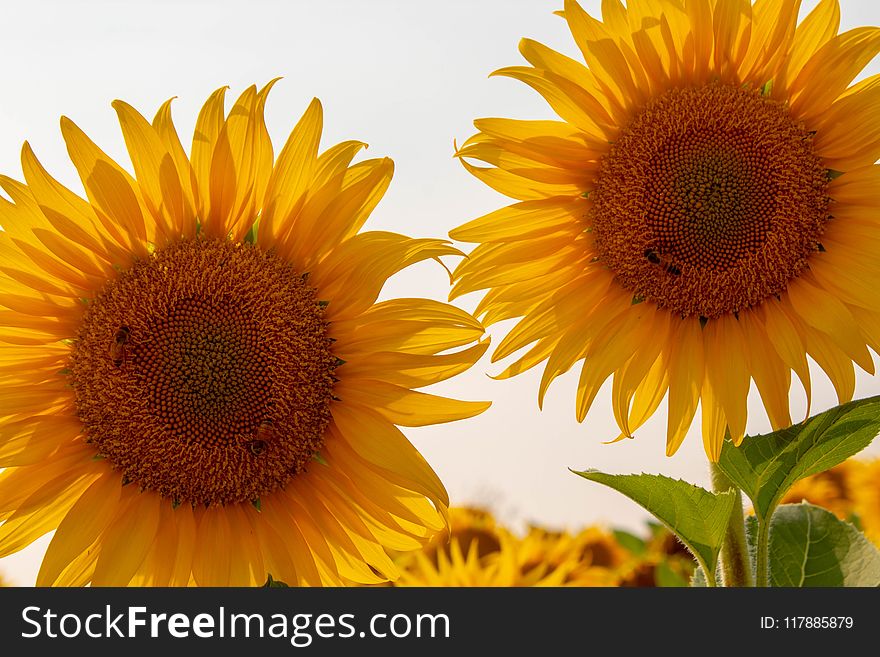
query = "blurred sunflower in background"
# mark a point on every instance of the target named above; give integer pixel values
(198, 384)
(591, 557)
(479, 551)
(703, 214)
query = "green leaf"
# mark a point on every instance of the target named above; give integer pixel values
(666, 577)
(765, 467)
(699, 518)
(630, 542)
(810, 546)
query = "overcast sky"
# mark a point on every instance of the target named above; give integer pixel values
(408, 77)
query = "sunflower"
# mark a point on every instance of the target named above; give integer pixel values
(198, 383)
(704, 213)
(477, 551)
(461, 565)
(591, 557)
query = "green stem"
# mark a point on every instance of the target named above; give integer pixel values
(735, 567)
(710, 579)
(762, 552)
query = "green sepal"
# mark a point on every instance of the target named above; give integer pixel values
(272, 583)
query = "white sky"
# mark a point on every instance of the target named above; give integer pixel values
(408, 78)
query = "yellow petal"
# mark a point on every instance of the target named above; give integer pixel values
(156, 172)
(208, 126)
(333, 214)
(829, 315)
(413, 326)
(276, 552)
(127, 538)
(686, 376)
(786, 340)
(727, 370)
(815, 31)
(240, 166)
(42, 511)
(836, 364)
(772, 377)
(346, 555)
(714, 422)
(245, 553)
(210, 566)
(840, 146)
(35, 438)
(831, 70)
(292, 174)
(609, 351)
(109, 188)
(72, 216)
(569, 100)
(278, 516)
(355, 272)
(18, 484)
(81, 527)
(646, 342)
(521, 221)
(386, 447)
(405, 407)
(601, 53)
(412, 370)
(187, 532)
(164, 127)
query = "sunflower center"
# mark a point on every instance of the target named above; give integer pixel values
(204, 372)
(711, 201)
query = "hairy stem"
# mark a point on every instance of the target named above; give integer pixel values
(762, 550)
(735, 567)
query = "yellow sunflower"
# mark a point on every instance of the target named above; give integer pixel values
(591, 557)
(477, 551)
(705, 213)
(198, 383)
(461, 563)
